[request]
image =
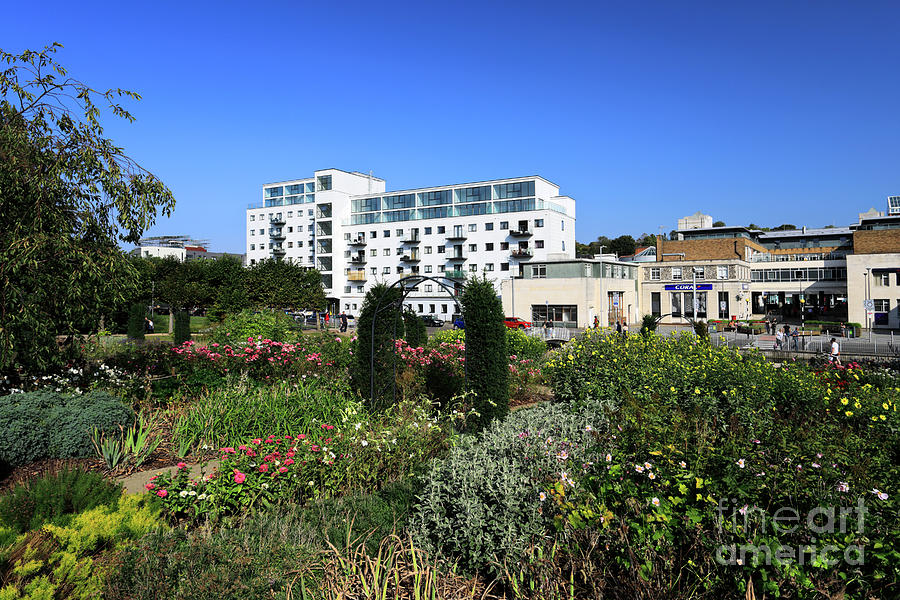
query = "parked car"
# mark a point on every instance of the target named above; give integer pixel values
(516, 323)
(431, 321)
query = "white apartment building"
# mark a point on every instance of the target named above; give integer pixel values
(357, 234)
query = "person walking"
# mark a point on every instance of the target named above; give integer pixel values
(624, 329)
(596, 322)
(835, 356)
(618, 326)
(795, 337)
(343, 322)
(779, 340)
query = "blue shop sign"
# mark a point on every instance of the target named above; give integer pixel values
(688, 287)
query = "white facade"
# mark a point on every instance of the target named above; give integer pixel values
(160, 252)
(695, 221)
(357, 234)
(893, 205)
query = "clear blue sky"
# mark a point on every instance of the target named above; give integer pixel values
(768, 112)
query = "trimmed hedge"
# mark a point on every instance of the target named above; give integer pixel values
(486, 350)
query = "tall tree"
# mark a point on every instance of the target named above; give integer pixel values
(623, 245)
(67, 195)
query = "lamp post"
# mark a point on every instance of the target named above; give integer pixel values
(602, 298)
(868, 296)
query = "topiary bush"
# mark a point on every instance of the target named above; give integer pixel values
(388, 324)
(182, 328)
(55, 499)
(486, 350)
(136, 323)
(482, 505)
(45, 424)
(416, 335)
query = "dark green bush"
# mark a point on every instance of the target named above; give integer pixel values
(388, 323)
(649, 323)
(182, 327)
(486, 352)
(265, 324)
(45, 424)
(443, 383)
(136, 323)
(55, 498)
(416, 335)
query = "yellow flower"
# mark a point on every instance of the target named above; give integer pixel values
(884, 405)
(849, 413)
(844, 401)
(882, 417)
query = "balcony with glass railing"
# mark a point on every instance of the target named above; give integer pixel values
(518, 233)
(521, 253)
(276, 234)
(455, 274)
(410, 257)
(356, 275)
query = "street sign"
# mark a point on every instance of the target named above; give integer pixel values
(869, 305)
(723, 306)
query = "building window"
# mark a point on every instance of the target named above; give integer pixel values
(290, 244)
(489, 246)
(299, 228)
(290, 214)
(399, 251)
(540, 244)
(473, 268)
(359, 288)
(252, 217)
(374, 270)
(387, 251)
(428, 231)
(427, 287)
(562, 225)
(300, 244)
(504, 245)
(399, 270)
(444, 308)
(347, 236)
(473, 227)
(346, 289)
(427, 249)
(253, 246)
(504, 266)
(441, 249)
(539, 271)
(882, 305)
(722, 272)
(386, 271)
(489, 267)
(290, 230)
(538, 222)
(699, 272)
(473, 247)
(882, 279)
(654, 273)
(373, 252)
(428, 268)
(441, 229)
(488, 226)
(504, 225)
(400, 233)
(676, 274)
(324, 183)
(655, 309)
(386, 233)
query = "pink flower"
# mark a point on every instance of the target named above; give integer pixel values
(282, 469)
(162, 493)
(150, 486)
(239, 477)
(182, 465)
(263, 468)
(289, 461)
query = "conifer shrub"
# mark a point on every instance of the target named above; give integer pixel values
(55, 498)
(182, 327)
(136, 323)
(416, 334)
(388, 323)
(486, 350)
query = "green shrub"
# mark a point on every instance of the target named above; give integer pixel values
(388, 324)
(649, 323)
(416, 334)
(446, 336)
(182, 327)
(55, 499)
(525, 346)
(481, 505)
(260, 325)
(73, 561)
(45, 424)
(486, 352)
(136, 323)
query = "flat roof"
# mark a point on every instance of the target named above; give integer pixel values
(453, 185)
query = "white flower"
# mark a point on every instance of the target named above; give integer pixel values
(683, 464)
(608, 457)
(365, 442)
(542, 496)
(881, 495)
(647, 465)
(202, 497)
(843, 486)
(651, 475)
(183, 493)
(740, 463)
(639, 468)
(358, 425)
(655, 501)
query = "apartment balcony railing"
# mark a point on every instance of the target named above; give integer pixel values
(276, 235)
(457, 236)
(358, 242)
(278, 251)
(458, 256)
(410, 258)
(411, 239)
(455, 274)
(520, 233)
(356, 276)
(277, 221)
(358, 260)
(521, 253)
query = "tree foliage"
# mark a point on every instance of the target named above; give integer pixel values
(136, 323)
(182, 330)
(68, 194)
(486, 355)
(415, 333)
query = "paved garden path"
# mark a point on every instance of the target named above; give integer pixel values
(134, 484)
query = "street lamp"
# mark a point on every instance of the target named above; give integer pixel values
(602, 298)
(868, 296)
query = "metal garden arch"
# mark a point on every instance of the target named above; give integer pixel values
(382, 305)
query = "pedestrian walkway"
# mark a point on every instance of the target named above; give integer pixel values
(134, 484)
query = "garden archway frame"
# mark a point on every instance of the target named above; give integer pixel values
(407, 285)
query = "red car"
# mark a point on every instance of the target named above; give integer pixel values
(516, 323)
